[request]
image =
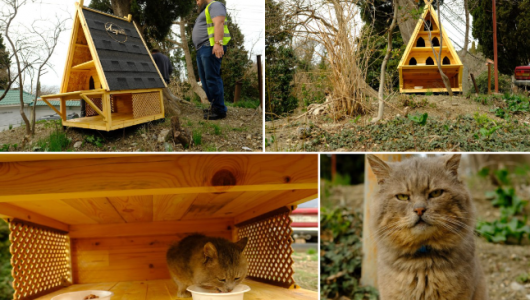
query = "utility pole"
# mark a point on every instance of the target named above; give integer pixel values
(495, 47)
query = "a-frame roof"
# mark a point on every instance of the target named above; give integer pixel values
(119, 53)
(429, 12)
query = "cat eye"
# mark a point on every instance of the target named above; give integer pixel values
(436, 193)
(402, 197)
(238, 278)
(222, 280)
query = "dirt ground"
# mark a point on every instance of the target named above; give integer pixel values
(284, 134)
(241, 128)
(502, 264)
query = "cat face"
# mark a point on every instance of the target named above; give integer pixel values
(421, 202)
(224, 267)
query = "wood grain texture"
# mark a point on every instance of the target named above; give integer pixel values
(171, 207)
(58, 210)
(155, 175)
(135, 208)
(125, 258)
(165, 290)
(100, 210)
(9, 211)
(206, 205)
(150, 228)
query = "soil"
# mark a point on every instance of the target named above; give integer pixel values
(502, 264)
(241, 128)
(284, 134)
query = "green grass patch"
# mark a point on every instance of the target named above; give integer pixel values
(57, 141)
(216, 129)
(197, 137)
(244, 103)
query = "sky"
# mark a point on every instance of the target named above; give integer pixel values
(250, 15)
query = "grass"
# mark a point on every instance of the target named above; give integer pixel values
(57, 141)
(305, 265)
(244, 103)
(197, 137)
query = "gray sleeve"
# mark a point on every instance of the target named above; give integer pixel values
(217, 9)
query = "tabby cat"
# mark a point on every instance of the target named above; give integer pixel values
(212, 263)
(424, 222)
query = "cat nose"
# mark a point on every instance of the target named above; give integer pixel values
(420, 209)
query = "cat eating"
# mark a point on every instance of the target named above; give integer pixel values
(423, 220)
(212, 263)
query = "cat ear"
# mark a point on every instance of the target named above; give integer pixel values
(242, 243)
(380, 168)
(452, 162)
(210, 251)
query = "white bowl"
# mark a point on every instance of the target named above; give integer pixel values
(418, 87)
(103, 295)
(199, 293)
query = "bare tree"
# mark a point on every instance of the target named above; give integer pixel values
(14, 6)
(49, 43)
(383, 65)
(189, 64)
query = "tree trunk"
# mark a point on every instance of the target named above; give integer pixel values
(466, 36)
(445, 79)
(189, 65)
(383, 67)
(405, 20)
(121, 8)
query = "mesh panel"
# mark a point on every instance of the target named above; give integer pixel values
(90, 112)
(146, 104)
(40, 259)
(269, 248)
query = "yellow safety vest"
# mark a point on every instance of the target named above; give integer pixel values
(211, 29)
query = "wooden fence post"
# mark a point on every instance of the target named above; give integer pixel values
(369, 264)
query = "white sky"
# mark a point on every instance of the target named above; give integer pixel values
(250, 15)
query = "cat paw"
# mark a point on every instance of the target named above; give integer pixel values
(184, 294)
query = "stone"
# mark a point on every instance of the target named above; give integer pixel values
(246, 148)
(303, 132)
(249, 136)
(144, 136)
(78, 144)
(163, 135)
(516, 286)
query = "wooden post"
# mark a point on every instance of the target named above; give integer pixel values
(260, 82)
(474, 83)
(369, 264)
(333, 167)
(237, 93)
(489, 79)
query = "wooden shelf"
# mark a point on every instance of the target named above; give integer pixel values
(166, 290)
(416, 67)
(428, 49)
(85, 66)
(434, 33)
(81, 45)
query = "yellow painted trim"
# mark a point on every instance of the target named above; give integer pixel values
(149, 52)
(84, 66)
(70, 56)
(93, 50)
(162, 103)
(51, 106)
(434, 90)
(435, 67)
(89, 102)
(160, 191)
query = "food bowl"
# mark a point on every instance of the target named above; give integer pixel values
(418, 87)
(81, 295)
(199, 293)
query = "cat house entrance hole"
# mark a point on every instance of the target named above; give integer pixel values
(413, 62)
(435, 42)
(420, 42)
(446, 61)
(429, 61)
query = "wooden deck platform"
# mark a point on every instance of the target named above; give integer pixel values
(166, 290)
(118, 120)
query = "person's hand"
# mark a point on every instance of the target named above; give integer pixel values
(218, 50)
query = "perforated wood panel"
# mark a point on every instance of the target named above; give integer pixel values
(146, 104)
(40, 259)
(99, 103)
(269, 248)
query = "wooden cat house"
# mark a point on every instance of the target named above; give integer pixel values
(418, 70)
(111, 70)
(81, 222)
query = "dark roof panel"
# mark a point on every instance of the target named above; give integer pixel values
(124, 58)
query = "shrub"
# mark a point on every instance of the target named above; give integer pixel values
(505, 83)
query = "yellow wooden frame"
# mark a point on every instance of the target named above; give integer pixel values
(411, 47)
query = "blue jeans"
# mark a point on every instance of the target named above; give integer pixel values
(210, 73)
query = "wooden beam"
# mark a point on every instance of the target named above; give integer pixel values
(71, 48)
(10, 211)
(150, 228)
(84, 66)
(51, 106)
(156, 175)
(89, 102)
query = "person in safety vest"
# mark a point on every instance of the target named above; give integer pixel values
(210, 36)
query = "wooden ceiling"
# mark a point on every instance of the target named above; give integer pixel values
(95, 189)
